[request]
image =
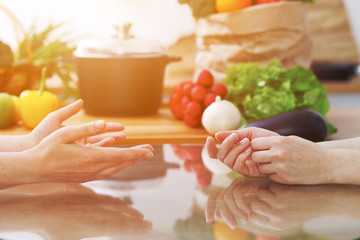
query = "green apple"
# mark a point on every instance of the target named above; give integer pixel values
(7, 110)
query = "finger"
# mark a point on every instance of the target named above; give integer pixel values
(211, 207)
(110, 171)
(104, 142)
(145, 146)
(117, 153)
(253, 169)
(235, 151)
(261, 156)
(261, 143)
(118, 137)
(211, 147)
(66, 112)
(237, 211)
(227, 145)
(239, 165)
(221, 136)
(266, 168)
(75, 132)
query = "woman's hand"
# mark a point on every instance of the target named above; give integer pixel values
(294, 160)
(235, 150)
(54, 121)
(63, 157)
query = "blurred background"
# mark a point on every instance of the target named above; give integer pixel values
(165, 20)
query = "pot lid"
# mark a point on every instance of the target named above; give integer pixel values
(120, 44)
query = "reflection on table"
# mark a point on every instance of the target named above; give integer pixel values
(175, 196)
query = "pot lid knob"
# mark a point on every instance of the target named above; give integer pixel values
(121, 30)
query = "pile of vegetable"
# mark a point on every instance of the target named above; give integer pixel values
(203, 8)
(30, 108)
(261, 92)
(189, 99)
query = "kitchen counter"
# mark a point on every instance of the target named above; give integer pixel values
(163, 128)
(166, 198)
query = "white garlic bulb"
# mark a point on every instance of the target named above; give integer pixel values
(221, 115)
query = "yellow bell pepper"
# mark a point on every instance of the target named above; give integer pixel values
(36, 105)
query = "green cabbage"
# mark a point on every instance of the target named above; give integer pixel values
(264, 91)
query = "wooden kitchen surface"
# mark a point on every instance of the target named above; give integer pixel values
(164, 128)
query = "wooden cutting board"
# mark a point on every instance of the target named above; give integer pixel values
(161, 128)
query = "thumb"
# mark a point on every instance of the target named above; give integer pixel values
(66, 112)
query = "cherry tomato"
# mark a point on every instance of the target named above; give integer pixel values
(205, 78)
(209, 99)
(187, 88)
(184, 102)
(175, 105)
(219, 89)
(194, 109)
(198, 93)
(192, 121)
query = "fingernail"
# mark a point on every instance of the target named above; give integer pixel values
(100, 124)
(148, 155)
(247, 150)
(233, 136)
(244, 141)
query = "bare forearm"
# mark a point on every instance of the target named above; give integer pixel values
(351, 143)
(15, 143)
(346, 165)
(15, 169)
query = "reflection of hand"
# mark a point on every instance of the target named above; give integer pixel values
(280, 207)
(75, 214)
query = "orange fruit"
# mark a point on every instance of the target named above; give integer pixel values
(222, 231)
(222, 6)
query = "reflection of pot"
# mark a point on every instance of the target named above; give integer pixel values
(122, 75)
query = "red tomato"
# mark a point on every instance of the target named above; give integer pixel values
(192, 121)
(219, 89)
(205, 78)
(184, 102)
(175, 105)
(194, 109)
(198, 93)
(179, 88)
(209, 99)
(187, 88)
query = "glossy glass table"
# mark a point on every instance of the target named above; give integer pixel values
(175, 196)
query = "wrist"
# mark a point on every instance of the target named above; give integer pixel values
(16, 169)
(345, 166)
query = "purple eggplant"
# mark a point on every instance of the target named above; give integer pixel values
(304, 123)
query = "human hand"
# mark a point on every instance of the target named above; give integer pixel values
(71, 212)
(235, 150)
(54, 121)
(60, 157)
(294, 160)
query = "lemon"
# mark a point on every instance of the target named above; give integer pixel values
(222, 6)
(7, 110)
